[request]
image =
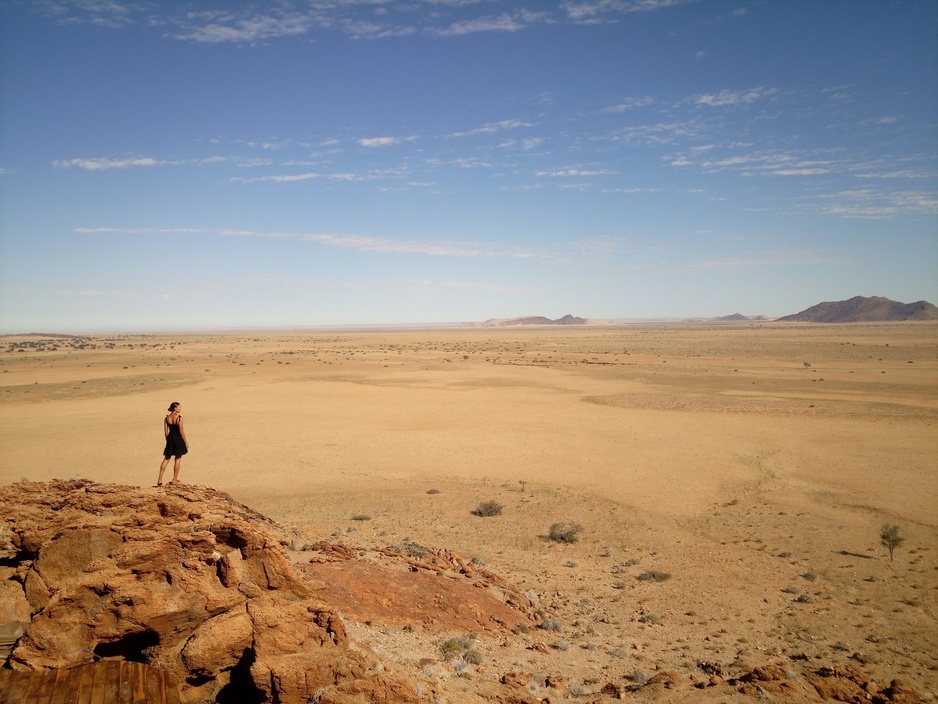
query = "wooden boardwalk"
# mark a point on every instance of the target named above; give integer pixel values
(104, 682)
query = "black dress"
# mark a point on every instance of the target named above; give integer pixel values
(175, 445)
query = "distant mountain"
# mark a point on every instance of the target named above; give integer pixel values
(860, 309)
(534, 320)
(737, 318)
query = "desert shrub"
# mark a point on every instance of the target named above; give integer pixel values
(488, 508)
(473, 657)
(653, 619)
(805, 599)
(478, 561)
(890, 539)
(549, 624)
(565, 532)
(810, 576)
(654, 576)
(638, 677)
(409, 547)
(361, 517)
(433, 491)
(450, 649)
(459, 645)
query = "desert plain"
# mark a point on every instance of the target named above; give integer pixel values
(730, 482)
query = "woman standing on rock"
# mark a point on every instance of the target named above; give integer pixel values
(176, 443)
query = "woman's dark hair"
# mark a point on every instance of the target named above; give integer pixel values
(172, 406)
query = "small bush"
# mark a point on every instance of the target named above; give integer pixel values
(433, 491)
(549, 624)
(565, 532)
(409, 547)
(890, 538)
(654, 576)
(810, 576)
(361, 517)
(653, 619)
(488, 508)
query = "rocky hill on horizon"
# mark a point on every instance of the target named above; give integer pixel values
(860, 309)
(534, 320)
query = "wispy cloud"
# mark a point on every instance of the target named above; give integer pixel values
(872, 204)
(220, 27)
(362, 243)
(385, 141)
(501, 23)
(493, 127)
(593, 10)
(104, 164)
(575, 172)
(735, 97)
(629, 104)
(288, 178)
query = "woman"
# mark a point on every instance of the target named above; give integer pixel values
(176, 443)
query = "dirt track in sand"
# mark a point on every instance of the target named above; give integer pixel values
(736, 459)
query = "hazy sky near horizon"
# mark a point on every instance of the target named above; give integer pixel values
(317, 162)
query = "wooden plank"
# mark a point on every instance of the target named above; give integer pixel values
(154, 693)
(86, 685)
(69, 684)
(125, 686)
(170, 689)
(33, 687)
(105, 682)
(46, 687)
(138, 691)
(12, 687)
(54, 688)
(99, 684)
(112, 681)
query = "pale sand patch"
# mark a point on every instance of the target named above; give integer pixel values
(702, 452)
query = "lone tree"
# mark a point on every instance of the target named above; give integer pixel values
(890, 538)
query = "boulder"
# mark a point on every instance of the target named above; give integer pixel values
(184, 578)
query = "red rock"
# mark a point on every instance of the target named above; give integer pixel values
(191, 581)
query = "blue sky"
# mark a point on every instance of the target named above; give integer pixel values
(317, 162)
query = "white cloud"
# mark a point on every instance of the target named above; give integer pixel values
(575, 172)
(494, 127)
(868, 203)
(735, 97)
(502, 23)
(105, 164)
(591, 10)
(532, 143)
(385, 141)
(225, 27)
(629, 104)
(289, 178)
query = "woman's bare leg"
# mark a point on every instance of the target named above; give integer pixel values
(176, 467)
(162, 469)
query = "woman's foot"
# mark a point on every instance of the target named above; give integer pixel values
(158, 484)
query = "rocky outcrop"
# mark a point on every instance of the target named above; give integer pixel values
(860, 309)
(185, 579)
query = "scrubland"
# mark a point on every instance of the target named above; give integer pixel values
(729, 482)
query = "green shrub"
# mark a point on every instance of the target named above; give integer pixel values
(890, 539)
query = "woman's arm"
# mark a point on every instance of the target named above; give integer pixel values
(165, 427)
(182, 431)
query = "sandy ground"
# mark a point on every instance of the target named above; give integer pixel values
(753, 464)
